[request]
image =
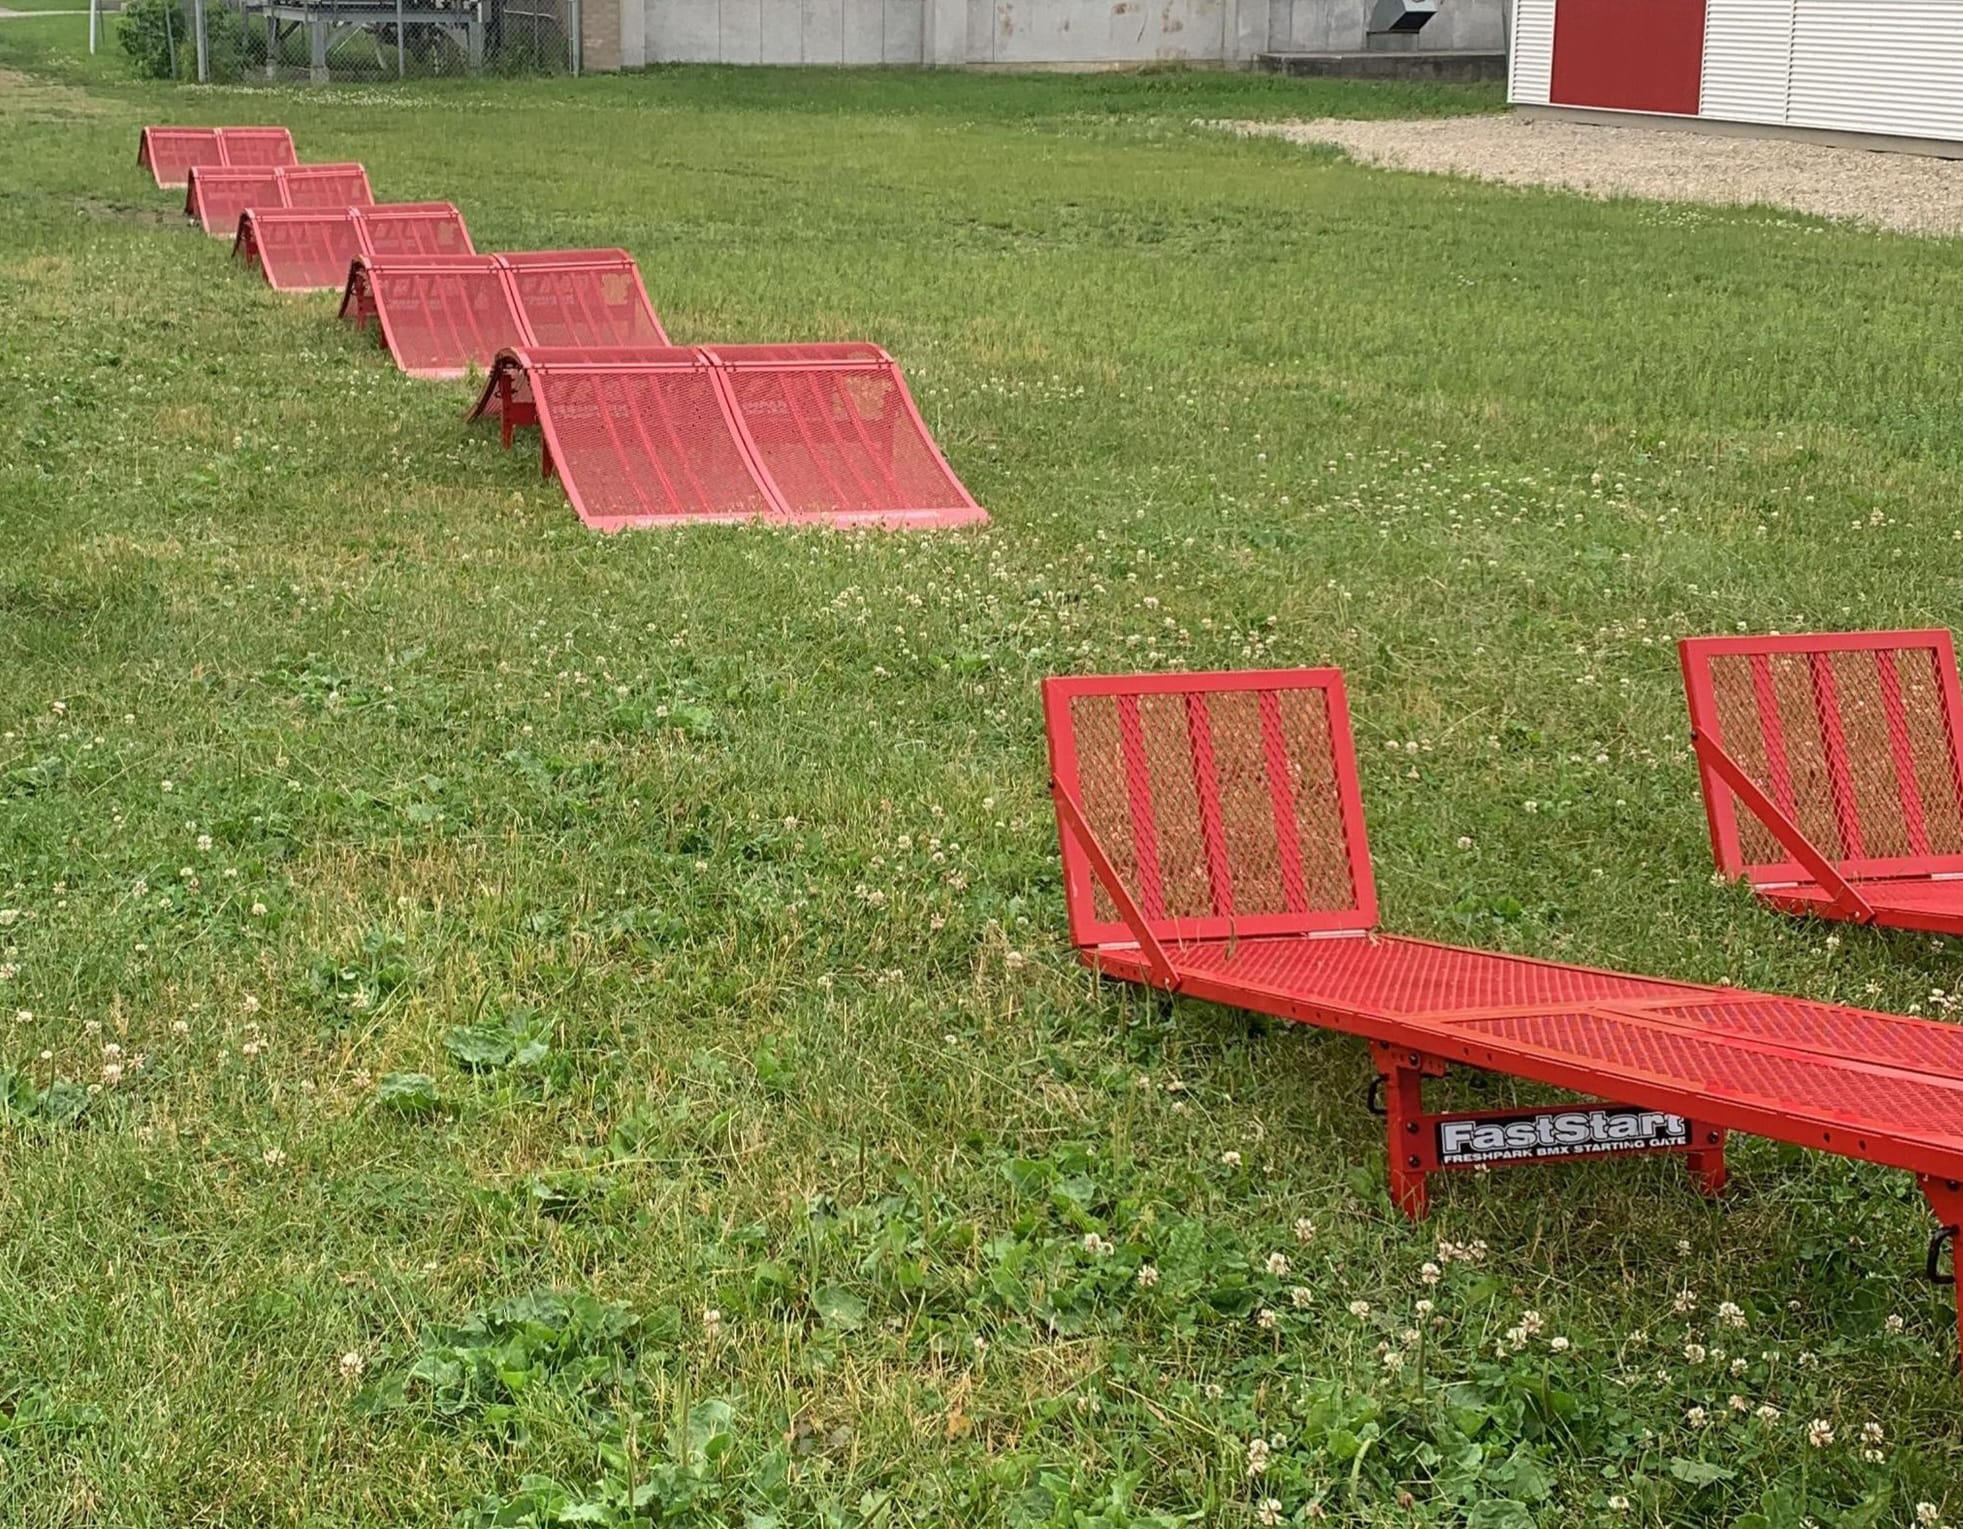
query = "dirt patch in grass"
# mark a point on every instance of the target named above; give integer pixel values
(1908, 192)
(125, 212)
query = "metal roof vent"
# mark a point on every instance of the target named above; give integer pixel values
(1396, 23)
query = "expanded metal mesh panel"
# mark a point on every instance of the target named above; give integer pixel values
(1401, 978)
(255, 146)
(216, 196)
(441, 318)
(412, 228)
(645, 446)
(326, 186)
(841, 440)
(300, 250)
(1854, 745)
(1225, 803)
(567, 301)
(170, 152)
(1919, 1043)
(1815, 1087)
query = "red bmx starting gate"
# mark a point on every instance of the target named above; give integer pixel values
(1213, 847)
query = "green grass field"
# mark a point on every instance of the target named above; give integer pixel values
(510, 1026)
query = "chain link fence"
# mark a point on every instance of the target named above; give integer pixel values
(239, 41)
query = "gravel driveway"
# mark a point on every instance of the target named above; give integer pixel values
(1910, 192)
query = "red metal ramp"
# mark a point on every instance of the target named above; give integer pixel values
(301, 249)
(581, 297)
(298, 249)
(1213, 847)
(440, 316)
(410, 228)
(837, 435)
(638, 436)
(215, 197)
(1832, 768)
(168, 153)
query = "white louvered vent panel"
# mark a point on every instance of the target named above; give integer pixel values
(1748, 59)
(1867, 67)
(1530, 72)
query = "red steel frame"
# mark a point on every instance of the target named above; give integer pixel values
(168, 153)
(1922, 890)
(1876, 1087)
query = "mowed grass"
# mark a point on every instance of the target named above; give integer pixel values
(593, 1033)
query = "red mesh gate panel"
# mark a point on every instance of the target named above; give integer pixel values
(439, 316)
(581, 297)
(168, 153)
(1851, 741)
(410, 228)
(835, 431)
(1228, 802)
(298, 249)
(638, 437)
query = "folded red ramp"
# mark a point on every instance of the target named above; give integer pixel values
(439, 316)
(444, 317)
(214, 198)
(302, 249)
(1213, 846)
(837, 436)
(1832, 768)
(168, 153)
(638, 436)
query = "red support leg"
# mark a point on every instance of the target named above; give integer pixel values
(1412, 1150)
(1945, 1197)
(1707, 1166)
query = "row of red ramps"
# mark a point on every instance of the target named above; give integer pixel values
(640, 432)
(1213, 847)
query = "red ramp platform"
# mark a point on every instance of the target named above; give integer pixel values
(301, 249)
(838, 438)
(816, 434)
(169, 153)
(1213, 847)
(638, 437)
(439, 316)
(1832, 768)
(215, 198)
(446, 316)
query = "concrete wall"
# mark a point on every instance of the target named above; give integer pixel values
(1004, 32)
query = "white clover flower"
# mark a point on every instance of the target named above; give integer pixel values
(1269, 1513)
(1266, 1319)
(1257, 1456)
(1730, 1315)
(1304, 1229)
(1230, 1159)
(1300, 1297)
(1819, 1433)
(1277, 1264)
(1359, 1308)
(352, 1365)
(1148, 1277)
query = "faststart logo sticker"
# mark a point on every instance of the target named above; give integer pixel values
(1558, 1133)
